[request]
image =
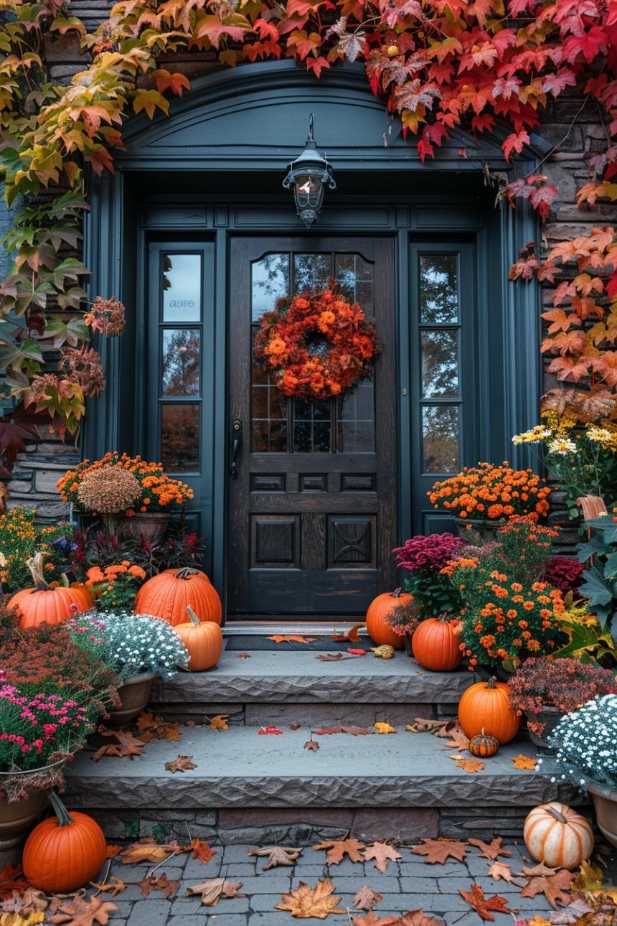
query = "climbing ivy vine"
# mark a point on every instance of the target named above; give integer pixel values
(437, 64)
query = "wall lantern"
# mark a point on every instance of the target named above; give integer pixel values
(308, 176)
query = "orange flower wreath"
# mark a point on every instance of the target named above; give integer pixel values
(316, 346)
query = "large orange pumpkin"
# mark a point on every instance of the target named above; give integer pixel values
(558, 836)
(43, 604)
(378, 628)
(203, 641)
(486, 706)
(170, 593)
(65, 852)
(435, 644)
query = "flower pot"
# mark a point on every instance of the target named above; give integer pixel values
(17, 816)
(134, 695)
(151, 525)
(550, 717)
(478, 531)
(605, 806)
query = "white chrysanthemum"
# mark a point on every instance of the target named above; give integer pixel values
(586, 742)
(534, 436)
(562, 446)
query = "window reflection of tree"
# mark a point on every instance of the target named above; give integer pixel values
(180, 438)
(439, 363)
(181, 361)
(438, 288)
(440, 438)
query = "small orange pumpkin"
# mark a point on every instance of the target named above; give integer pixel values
(43, 604)
(557, 836)
(483, 746)
(65, 852)
(435, 644)
(487, 706)
(203, 641)
(171, 592)
(377, 625)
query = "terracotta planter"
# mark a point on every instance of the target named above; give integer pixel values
(17, 817)
(134, 695)
(605, 806)
(477, 531)
(151, 525)
(550, 717)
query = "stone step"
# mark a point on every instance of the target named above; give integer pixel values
(401, 785)
(282, 687)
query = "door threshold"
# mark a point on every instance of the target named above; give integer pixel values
(261, 628)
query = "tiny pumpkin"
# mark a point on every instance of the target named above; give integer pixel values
(168, 594)
(436, 644)
(65, 852)
(487, 706)
(557, 836)
(483, 745)
(43, 604)
(203, 641)
(377, 625)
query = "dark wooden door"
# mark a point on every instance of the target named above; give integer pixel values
(312, 502)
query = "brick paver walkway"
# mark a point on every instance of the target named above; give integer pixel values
(409, 884)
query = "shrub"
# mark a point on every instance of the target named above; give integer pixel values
(179, 548)
(115, 587)
(564, 573)
(423, 559)
(586, 742)
(21, 538)
(492, 492)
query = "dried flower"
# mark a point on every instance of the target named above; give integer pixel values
(108, 490)
(107, 316)
(83, 366)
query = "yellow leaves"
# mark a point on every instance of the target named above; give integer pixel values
(15, 919)
(219, 722)
(382, 727)
(524, 762)
(64, 24)
(149, 101)
(165, 80)
(306, 901)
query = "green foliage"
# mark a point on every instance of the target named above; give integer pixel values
(600, 579)
(21, 538)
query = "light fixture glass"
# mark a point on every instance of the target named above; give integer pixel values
(308, 176)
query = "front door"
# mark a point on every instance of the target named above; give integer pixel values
(313, 485)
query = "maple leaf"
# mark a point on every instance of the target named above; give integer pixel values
(114, 887)
(514, 143)
(305, 901)
(146, 850)
(418, 918)
(337, 849)
(291, 638)
(372, 919)
(213, 29)
(484, 906)
(524, 762)
(152, 727)
(177, 82)
(382, 727)
(426, 725)
(126, 747)
(349, 636)
(331, 657)
(162, 883)
(490, 850)
(24, 904)
(181, 764)
(311, 745)
(366, 898)
(219, 722)
(270, 731)
(555, 887)
(501, 871)
(149, 101)
(11, 879)
(79, 911)
(201, 850)
(212, 890)
(438, 850)
(381, 853)
(471, 766)
(353, 731)
(278, 855)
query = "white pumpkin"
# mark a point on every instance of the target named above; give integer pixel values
(558, 836)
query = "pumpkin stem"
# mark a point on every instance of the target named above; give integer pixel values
(491, 682)
(65, 580)
(186, 572)
(64, 817)
(192, 616)
(397, 592)
(556, 814)
(35, 565)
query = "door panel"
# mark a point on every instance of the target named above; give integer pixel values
(312, 498)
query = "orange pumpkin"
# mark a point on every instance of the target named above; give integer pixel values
(65, 852)
(203, 641)
(171, 592)
(435, 644)
(487, 706)
(378, 628)
(43, 604)
(483, 746)
(558, 836)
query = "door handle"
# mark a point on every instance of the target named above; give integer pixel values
(236, 447)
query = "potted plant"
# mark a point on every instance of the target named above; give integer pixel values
(423, 559)
(403, 620)
(586, 750)
(545, 689)
(138, 648)
(483, 497)
(115, 587)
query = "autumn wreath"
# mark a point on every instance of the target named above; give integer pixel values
(317, 345)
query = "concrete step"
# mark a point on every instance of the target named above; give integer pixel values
(401, 786)
(283, 687)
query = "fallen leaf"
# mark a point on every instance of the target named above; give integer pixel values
(337, 849)
(152, 727)
(526, 762)
(296, 725)
(114, 886)
(127, 746)
(490, 850)
(427, 725)
(418, 918)
(181, 764)
(311, 745)
(381, 727)
(25, 903)
(354, 731)
(457, 739)
(366, 898)
(438, 850)
(162, 883)
(572, 915)
(270, 731)
(555, 887)
(501, 871)
(305, 901)
(146, 850)
(111, 851)
(212, 890)
(371, 919)
(356, 652)
(381, 853)
(243, 655)
(201, 850)
(79, 911)
(468, 765)
(484, 906)
(383, 652)
(11, 879)
(589, 878)
(219, 722)
(349, 636)
(538, 871)
(291, 638)
(331, 657)
(277, 855)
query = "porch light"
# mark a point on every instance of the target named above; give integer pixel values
(308, 176)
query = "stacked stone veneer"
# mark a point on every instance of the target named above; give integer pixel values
(34, 477)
